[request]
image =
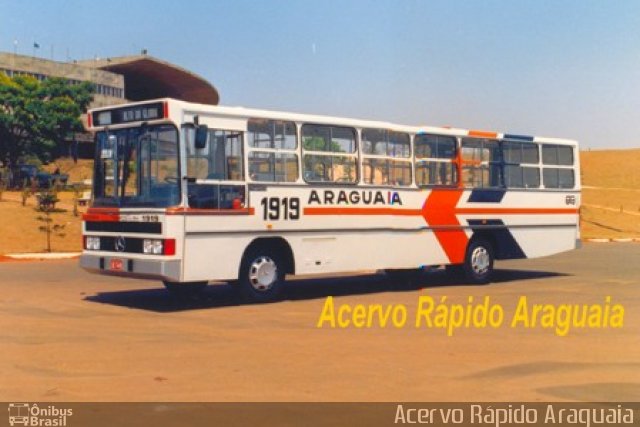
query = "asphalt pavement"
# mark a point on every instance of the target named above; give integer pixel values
(68, 335)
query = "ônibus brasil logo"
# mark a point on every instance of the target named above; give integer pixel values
(27, 414)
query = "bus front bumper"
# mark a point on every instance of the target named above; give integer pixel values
(168, 270)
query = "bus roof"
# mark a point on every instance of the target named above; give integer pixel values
(246, 113)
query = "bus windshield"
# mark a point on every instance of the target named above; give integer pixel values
(137, 167)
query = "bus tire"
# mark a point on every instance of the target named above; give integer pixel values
(185, 289)
(478, 262)
(262, 273)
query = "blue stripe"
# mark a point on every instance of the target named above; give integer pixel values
(507, 245)
(486, 195)
(518, 137)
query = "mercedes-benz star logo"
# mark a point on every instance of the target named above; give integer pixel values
(120, 244)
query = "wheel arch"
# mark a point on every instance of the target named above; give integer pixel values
(278, 244)
(502, 241)
(489, 237)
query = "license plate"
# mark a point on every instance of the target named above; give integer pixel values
(115, 264)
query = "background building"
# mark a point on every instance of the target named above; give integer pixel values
(117, 80)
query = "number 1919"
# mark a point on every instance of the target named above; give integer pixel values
(275, 208)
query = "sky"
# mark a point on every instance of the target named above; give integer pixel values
(560, 68)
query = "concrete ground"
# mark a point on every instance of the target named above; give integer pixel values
(66, 335)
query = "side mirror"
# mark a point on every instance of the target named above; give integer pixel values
(202, 131)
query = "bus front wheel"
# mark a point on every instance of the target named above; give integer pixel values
(262, 275)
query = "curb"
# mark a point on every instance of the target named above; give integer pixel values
(614, 240)
(43, 256)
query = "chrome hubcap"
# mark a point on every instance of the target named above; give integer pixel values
(480, 260)
(263, 273)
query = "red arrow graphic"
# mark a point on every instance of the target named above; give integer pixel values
(439, 211)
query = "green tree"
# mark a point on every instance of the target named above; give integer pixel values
(35, 116)
(47, 204)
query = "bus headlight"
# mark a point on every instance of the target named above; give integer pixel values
(92, 243)
(152, 246)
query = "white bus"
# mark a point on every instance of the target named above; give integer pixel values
(189, 193)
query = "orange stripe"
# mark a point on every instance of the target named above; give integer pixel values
(361, 211)
(483, 134)
(197, 211)
(437, 213)
(471, 162)
(113, 215)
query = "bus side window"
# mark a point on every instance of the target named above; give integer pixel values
(329, 153)
(203, 196)
(220, 159)
(386, 157)
(273, 155)
(521, 164)
(231, 196)
(561, 175)
(215, 196)
(481, 163)
(434, 160)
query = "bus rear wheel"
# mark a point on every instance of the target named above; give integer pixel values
(261, 276)
(478, 263)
